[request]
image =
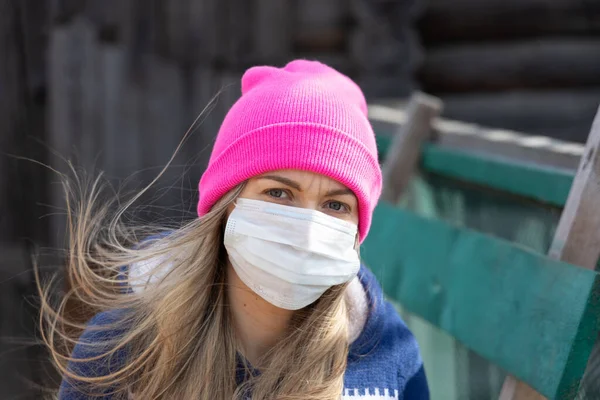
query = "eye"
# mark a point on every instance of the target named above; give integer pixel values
(337, 206)
(277, 193)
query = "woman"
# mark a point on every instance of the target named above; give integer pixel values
(263, 296)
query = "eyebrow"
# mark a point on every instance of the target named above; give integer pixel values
(281, 179)
(339, 192)
(296, 185)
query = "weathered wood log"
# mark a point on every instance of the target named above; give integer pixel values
(548, 63)
(379, 46)
(467, 20)
(564, 115)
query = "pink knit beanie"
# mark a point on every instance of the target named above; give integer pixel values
(305, 116)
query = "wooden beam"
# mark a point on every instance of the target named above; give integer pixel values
(577, 237)
(489, 66)
(405, 150)
(386, 116)
(468, 20)
(529, 180)
(542, 184)
(558, 113)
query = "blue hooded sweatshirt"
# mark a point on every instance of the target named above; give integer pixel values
(383, 362)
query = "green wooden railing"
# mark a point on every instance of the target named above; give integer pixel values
(534, 317)
(471, 285)
(544, 184)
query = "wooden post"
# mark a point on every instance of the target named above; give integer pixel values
(577, 238)
(406, 146)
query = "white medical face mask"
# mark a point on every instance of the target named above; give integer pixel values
(289, 256)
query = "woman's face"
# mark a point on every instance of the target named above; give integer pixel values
(306, 190)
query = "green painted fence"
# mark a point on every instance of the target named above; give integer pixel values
(531, 315)
(516, 203)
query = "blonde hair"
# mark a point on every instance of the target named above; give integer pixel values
(173, 353)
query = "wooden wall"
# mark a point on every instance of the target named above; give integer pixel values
(527, 65)
(23, 192)
(114, 84)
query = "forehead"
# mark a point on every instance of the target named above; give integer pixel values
(307, 180)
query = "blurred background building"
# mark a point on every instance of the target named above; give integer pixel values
(115, 84)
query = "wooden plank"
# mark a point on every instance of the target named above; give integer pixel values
(561, 114)
(64, 119)
(577, 238)
(487, 141)
(117, 151)
(272, 31)
(527, 306)
(539, 63)
(550, 186)
(405, 149)
(205, 36)
(21, 184)
(87, 141)
(468, 20)
(239, 20)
